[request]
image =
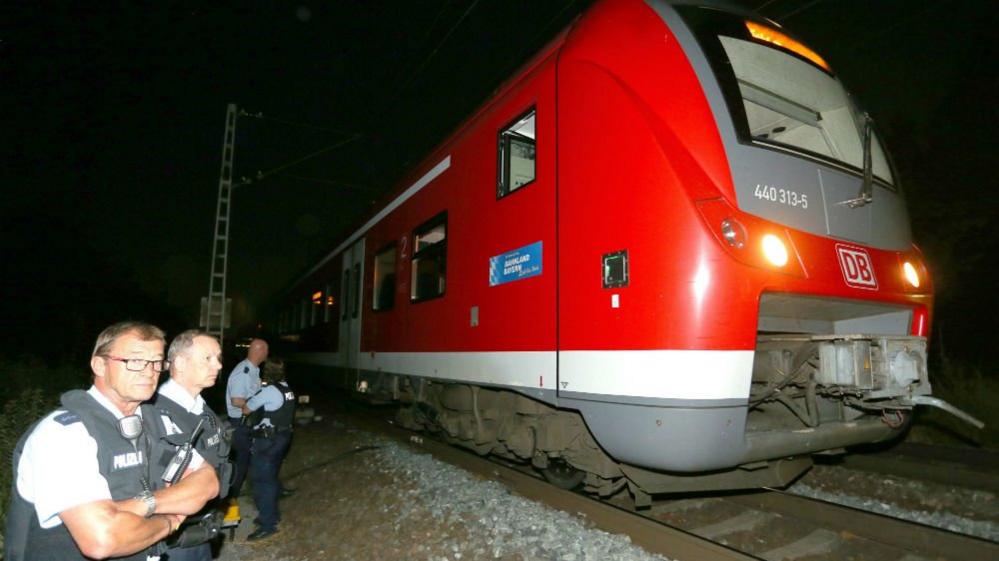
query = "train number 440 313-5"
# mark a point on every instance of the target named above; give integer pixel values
(781, 196)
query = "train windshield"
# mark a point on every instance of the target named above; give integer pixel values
(782, 94)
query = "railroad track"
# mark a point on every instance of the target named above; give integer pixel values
(963, 467)
(768, 525)
(774, 525)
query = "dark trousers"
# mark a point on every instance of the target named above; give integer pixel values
(265, 464)
(201, 552)
(241, 445)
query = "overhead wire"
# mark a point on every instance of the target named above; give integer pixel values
(440, 44)
(264, 174)
(261, 116)
(260, 175)
(346, 184)
(764, 5)
(541, 31)
(797, 11)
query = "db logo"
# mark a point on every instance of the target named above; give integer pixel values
(856, 266)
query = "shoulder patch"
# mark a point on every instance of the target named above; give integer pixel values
(67, 418)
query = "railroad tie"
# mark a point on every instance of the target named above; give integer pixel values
(914, 557)
(818, 542)
(739, 523)
(679, 505)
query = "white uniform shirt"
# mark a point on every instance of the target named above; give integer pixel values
(58, 469)
(244, 381)
(177, 394)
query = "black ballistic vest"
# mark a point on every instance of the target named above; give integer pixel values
(211, 443)
(125, 467)
(284, 416)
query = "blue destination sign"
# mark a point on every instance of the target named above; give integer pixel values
(521, 263)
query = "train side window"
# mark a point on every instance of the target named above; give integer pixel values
(429, 259)
(383, 279)
(356, 290)
(303, 314)
(345, 294)
(328, 303)
(516, 155)
(315, 307)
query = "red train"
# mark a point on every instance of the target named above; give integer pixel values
(669, 253)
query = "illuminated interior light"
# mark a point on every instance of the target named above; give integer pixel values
(774, 250)
(910, 274)
(774, 37)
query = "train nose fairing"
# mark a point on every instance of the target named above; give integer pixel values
(786, 98)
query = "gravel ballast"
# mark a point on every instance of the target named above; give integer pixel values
(362, 496)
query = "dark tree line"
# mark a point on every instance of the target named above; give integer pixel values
(59, 291)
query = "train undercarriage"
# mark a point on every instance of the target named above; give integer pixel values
(810, 394)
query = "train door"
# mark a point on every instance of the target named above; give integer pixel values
(350, 312)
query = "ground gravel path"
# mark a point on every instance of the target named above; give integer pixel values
(360, 496)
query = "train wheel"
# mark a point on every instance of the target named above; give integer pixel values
(560, 474)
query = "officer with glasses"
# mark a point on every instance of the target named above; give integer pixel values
(90, 477)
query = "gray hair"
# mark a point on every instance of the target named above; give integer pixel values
(184, 341)
(145, 331)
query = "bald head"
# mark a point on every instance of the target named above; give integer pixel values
(257, 353)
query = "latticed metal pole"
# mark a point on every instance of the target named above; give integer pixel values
(215, 314)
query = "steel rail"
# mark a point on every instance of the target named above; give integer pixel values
(650, 535)
(904, 534)
(658, 537)
(970, 468)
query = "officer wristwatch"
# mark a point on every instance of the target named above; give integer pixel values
(150, 500)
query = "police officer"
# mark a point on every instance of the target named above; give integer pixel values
(244, 381)
(88, 477)
(195, 361)
(272, 410)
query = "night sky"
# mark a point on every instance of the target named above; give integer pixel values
(113, 123)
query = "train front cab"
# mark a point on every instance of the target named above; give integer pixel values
(761, 299)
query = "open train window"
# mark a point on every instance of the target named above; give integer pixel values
(383, 279)
(429, 259)
(516, 162)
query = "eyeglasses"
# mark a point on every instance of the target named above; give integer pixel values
(140, 364)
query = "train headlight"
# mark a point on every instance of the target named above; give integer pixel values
(774, 250)
(733, 233)
(911, 274)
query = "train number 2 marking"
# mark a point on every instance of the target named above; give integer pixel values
(777, 195)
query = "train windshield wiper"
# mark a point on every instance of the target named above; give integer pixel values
(866, 193)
